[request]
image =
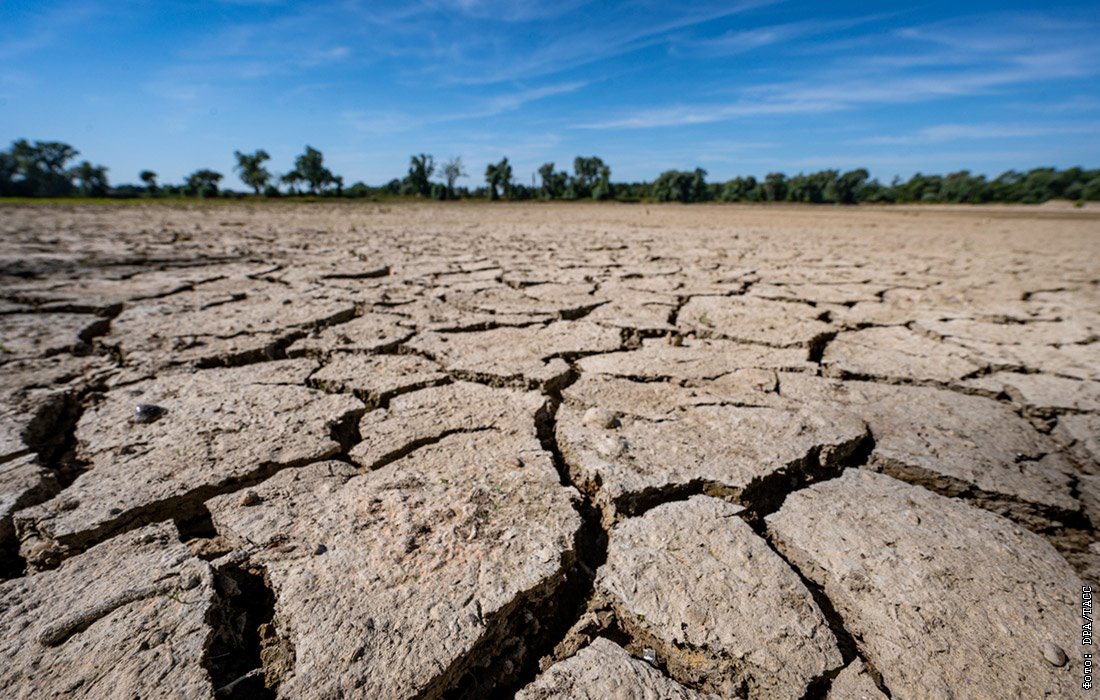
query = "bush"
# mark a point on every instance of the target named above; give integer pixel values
(681, 186)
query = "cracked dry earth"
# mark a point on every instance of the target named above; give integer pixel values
(363, 451)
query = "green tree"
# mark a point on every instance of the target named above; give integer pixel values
(358, 190)
(554, 183)
(42, 166)
(418, 181)
(452, 171)
(848, 187)
(291, 180)
(150, 180)
(739, 189)
(681, 186)
(963, 187)
(1039, 185)
(825, 183)
(310, 169)
(799, 189)
(92, 178)
(1070, 183)
(591, 176)
(775, 187)
(814, 188)
(499, 178)
(8, 169)
(1091, 189)
(920, 188)
(601, 188)
(492, 179)
(203, 183)
(520, 192)
(875, 191)
(252, 170)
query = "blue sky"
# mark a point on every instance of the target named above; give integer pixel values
(735, 87)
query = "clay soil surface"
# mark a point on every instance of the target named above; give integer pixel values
(370, 450)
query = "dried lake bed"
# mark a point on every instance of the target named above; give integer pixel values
(542, 450)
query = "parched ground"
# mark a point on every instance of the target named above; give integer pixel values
(547, 451)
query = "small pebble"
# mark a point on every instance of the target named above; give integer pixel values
(321, 549)
(649, 656)
(600, 418)
(148, 413)
(250, 498)
(1054, 654)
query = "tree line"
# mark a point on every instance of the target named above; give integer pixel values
(46, 169)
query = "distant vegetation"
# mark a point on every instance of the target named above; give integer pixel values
(46, 169)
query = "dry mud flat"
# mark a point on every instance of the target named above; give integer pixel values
(319, 451)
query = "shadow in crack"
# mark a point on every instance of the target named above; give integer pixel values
(245, 657)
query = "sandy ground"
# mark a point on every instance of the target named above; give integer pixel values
(547, 450)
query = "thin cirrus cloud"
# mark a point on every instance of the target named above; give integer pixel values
(928, 66)
(383, 122)
(176, 91)
(43, 27)
(453, 43)
(943, 133)
(589, 43)
(1000, 33)
(707, 114)
(252, 2)
(744, 40)
(507, 10)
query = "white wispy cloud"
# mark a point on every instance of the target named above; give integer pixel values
(392, 121)
(46, 27)
(687, 115)
(972, 66)
(379, 123)
(998, 32)
(509, 10)
(739, 41)
(1071, 105)
(591, 44)
(508, 102)
(942, 133)
(12, 77)
(292, 42)
(450, 43)
(176, 91)
(325, 56)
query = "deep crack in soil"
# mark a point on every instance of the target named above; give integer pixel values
(244, 655)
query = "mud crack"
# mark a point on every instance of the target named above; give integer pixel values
(244, 654)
